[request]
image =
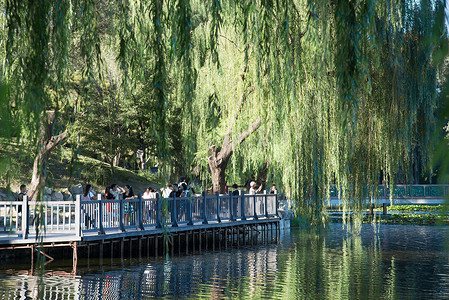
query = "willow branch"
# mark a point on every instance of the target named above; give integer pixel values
(231, 41)
(253, 127)
(56, 140)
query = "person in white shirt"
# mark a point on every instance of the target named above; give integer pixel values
(167, 191)
(252, 188)
(89, 214)
(148, 194)
(89, 193)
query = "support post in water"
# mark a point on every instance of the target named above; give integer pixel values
(32, 259)
(75, 256)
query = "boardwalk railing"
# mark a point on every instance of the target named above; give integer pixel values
(25, 218)
(407, 191)
(101, 215)
(402, 194)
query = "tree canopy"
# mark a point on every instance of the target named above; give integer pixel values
(305, 93)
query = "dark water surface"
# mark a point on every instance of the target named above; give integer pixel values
(383, 262)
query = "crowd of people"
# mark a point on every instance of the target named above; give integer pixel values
(174, 190)
(177, 190)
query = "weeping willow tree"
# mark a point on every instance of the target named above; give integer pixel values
(45, 43)
(34, 67)
(346, 92)
(312, 92)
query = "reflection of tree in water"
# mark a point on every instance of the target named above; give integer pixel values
(391, 263)
(311, 267)
(308, 268)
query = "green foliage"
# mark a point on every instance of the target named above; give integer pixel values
(412, 208)
(346, 90)
(416, 219)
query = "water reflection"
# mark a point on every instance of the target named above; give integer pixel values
(387, 262)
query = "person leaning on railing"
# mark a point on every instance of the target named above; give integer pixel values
(128, 207)
(23, 192)
(253, 191)
(148, 195)
(89, 193)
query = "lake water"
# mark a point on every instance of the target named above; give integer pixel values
(383, 262)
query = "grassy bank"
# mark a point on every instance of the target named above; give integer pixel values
(64, 172)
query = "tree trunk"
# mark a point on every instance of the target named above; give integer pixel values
(39, 176)
(262, 176)
(218, 178)
(111, 163)
(116, 159)
(48, 142)
(218, 160)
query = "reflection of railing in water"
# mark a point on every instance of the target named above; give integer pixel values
(73, 218)
(148, 280)
(60, 285)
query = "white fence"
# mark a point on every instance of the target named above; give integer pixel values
(24, 218)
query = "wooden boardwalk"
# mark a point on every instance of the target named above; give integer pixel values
(108, 222)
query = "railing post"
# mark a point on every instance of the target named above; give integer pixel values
(266, 203)
(100, 211)
(158, 211)
(122, 226)
(231, 206)
(255, 207)
(277, 203)
(140, 213)
(204, 208)
(78, 215)
(25, 217)
(174, 214)
(242, 204)
(189, 210)
(218, 207)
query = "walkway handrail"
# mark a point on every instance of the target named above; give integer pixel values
(407, 191)
(102, 215)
